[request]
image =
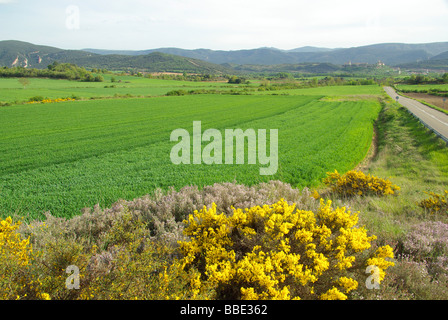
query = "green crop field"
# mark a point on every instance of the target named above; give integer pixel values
(12, 91)
(332, 91)
(61, 157)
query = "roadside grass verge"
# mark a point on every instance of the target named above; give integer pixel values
(416, 160)
(413, 158)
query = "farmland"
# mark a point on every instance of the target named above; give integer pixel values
(207, 152)
(61, 157)
(77, 159)
(13, 91)
(433, 94)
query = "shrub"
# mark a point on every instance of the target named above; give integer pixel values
(435, 203)
(357, 183)
(179, 92)
(131, 267)
(17, 280)
(129, 250)
(36, 99)
(164, 211)
(98, 78)
(428, 242)
(12, 246)
(279, 252)
(412, 280)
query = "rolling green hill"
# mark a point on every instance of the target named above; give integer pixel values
(306, 59)
(442, 56)
(389, 53)
(153, 62)
(438, 62)
(17, 53)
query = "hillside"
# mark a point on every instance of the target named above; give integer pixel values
(152, 62)
(429, 64)
(310, 49)
(438, 62)
(17, 53)
(304, 59)
(389, 53)
(313, 68)
(442, 56)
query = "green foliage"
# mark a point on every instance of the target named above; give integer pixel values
(55, 70)
(237, 80)
(153, 62)
(417, 79)
(36, 99)
(177, 93)
(445, 78)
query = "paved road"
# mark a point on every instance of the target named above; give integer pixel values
(434, 119)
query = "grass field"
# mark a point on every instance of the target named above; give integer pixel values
(332, 91)
(12, 91)
(61, 157)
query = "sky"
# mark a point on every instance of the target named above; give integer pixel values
(222, 24)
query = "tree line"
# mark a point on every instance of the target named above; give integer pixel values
(422, 79)
(55, 70)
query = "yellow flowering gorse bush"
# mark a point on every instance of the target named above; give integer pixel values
(355, 183)
(16, 255)
(435, 203)
(278, 252)
(12, 246)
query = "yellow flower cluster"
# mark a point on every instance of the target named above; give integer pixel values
(47, 100)
(357, 183)
(315, 194)
(12, 246)
(278, 252)
(379, 261)
(333, 294)
(435, 203)
(16, 257)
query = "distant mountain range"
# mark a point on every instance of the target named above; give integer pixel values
(389, 53)
(439, 61)
(17, 53)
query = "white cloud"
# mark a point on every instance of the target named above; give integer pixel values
(230, 24)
